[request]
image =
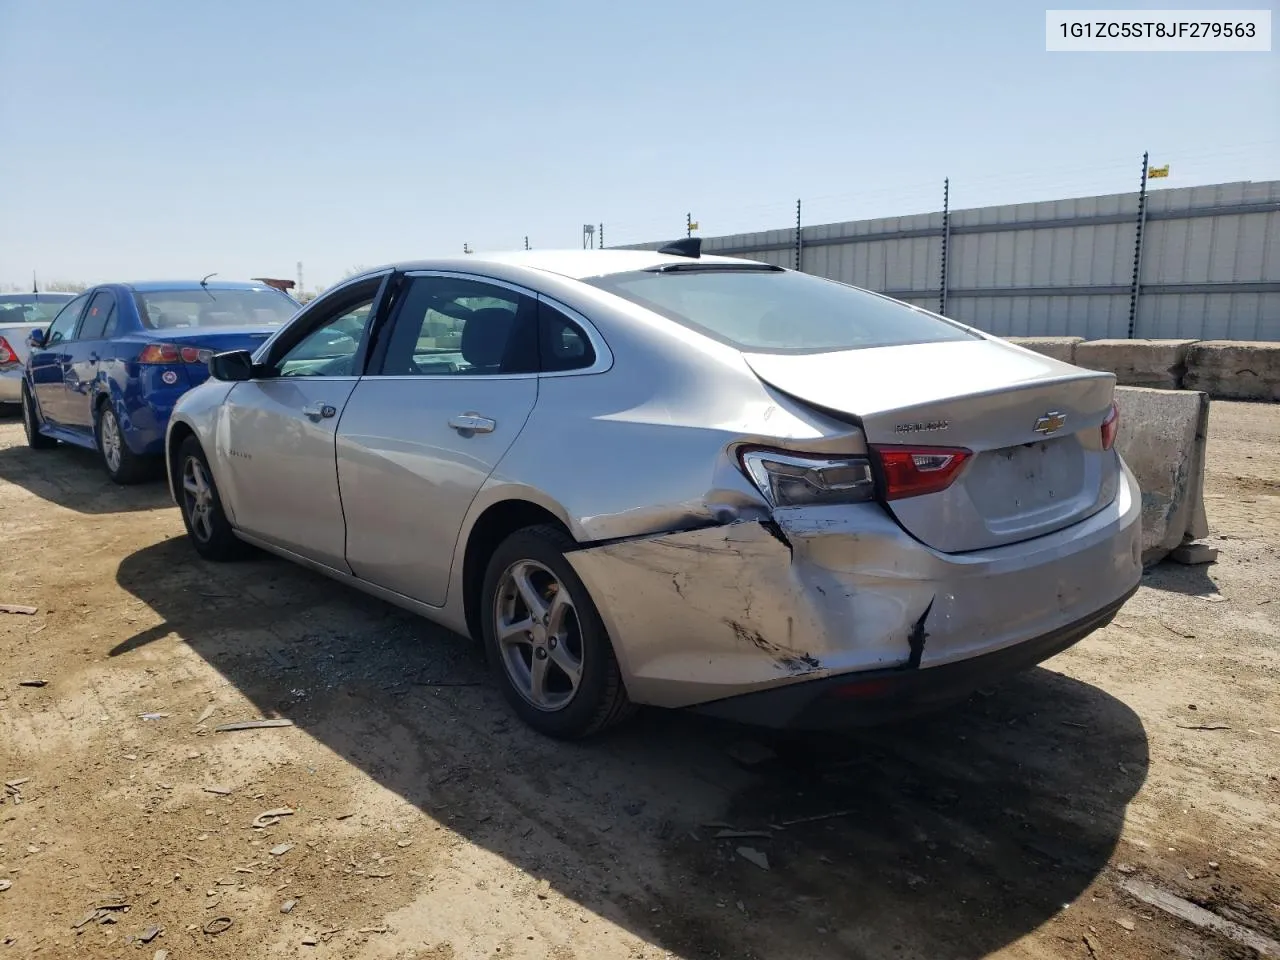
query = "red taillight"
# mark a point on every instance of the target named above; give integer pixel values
(1111, 426)
(169, 353)
(914, 471)
(6, 352)
(160, 353)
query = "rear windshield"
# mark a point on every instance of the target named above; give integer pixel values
(777, 311)
(35, 308)
(180, 309)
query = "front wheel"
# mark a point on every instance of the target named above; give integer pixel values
(546, 643)
(202, 512)
(31, 424)
(122, 465)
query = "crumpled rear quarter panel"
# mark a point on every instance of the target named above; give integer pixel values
(704, 614)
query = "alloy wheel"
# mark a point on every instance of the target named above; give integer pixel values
(539, 637)
(109, 429)
(197, 499)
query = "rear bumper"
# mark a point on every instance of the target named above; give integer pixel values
(840, 592)
(882, 696)
(11, 384)
(145, 424)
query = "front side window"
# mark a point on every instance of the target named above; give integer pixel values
(183, 309)
(761, 309)
(64, 325)
(99, 319)
(329, 348)
(454, 326)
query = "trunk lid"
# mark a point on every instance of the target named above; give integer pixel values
(15, 334)
(217, 339)
(208, 340)
(1033, 426)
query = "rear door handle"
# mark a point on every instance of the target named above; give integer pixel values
(472, 423)
(320, 411)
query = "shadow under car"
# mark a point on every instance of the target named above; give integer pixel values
(951, 836)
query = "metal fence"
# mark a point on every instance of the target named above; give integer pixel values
(1207, 262)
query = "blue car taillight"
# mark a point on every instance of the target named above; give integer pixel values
(165, 353)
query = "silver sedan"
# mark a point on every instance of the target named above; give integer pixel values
(672, 479)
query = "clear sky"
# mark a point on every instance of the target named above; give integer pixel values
(171, 138)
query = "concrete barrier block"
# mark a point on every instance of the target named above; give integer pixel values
(1137, 363)
(1193, 553)
(1059, 348)
(1234, 369)
(1162, 439)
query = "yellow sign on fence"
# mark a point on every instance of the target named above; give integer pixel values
(1158, 172)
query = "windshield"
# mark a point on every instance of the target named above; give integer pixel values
(34, 308)
(765, 310)
(179, 309)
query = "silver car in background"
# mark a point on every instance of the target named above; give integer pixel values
(22, 314)
(662, 478)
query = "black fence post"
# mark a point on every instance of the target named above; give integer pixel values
(1137, 248)
(798, 248)
(946, 237)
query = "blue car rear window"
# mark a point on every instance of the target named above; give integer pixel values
(184, 309)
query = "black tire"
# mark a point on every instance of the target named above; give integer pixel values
(599, 699)
(31, 424)
(123, 466)
(214, 540)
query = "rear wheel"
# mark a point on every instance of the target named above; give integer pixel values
(207, 525)
(31, 424)
(546, 643)
(122, 464)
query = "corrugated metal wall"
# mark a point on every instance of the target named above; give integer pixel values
(1210, 263)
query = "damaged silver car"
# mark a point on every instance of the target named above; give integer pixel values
(672, 479)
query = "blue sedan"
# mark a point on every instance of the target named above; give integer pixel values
(107, 371)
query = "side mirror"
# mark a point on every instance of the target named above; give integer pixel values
(36, 340)
(233, 366)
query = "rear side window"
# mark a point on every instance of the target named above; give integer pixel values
(100, 319)
(562, 345)
(451, 326)
(774, 311)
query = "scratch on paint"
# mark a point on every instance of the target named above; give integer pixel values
(793, 660)
(917, 637)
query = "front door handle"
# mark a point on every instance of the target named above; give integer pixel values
(469, 423)
(320, 411)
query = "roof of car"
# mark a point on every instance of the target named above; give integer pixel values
(575, 264)
(156, 286)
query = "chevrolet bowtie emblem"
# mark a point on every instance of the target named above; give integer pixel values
(1051, 422)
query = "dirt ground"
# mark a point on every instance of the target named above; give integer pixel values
(427, 823)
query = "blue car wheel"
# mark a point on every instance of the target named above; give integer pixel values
(123, 466)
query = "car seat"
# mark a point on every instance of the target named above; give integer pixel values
(485, 337)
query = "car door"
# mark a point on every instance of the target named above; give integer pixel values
(83, 355)
(277, 445)
(45, 362)
(450, 388)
